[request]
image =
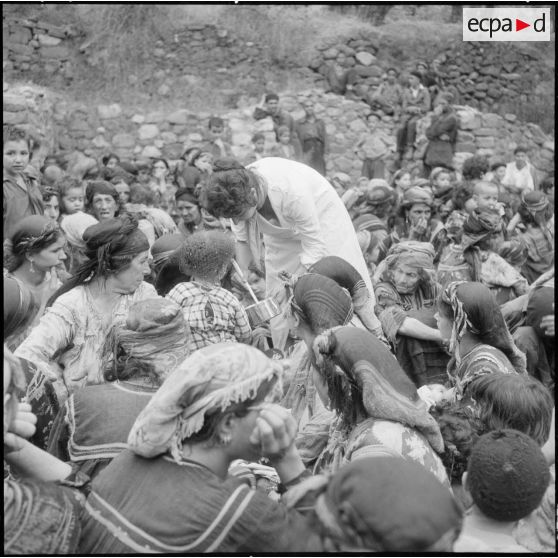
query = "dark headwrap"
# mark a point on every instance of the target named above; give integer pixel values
(386, 390)
(164, 247)
(479, 225)
(383, 500)
(186, 194)
(319, 299)
(113, 238)
(20, 306)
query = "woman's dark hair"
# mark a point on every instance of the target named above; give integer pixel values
(512, 401)
(258, 136)
(126, 367)
(108, 157)
(19, 245)
(460, 430)
(484, 315)
(168, 277)
(462, 194)
(521, 149)
(13, 133)
(547, 184)
(120, 175)
(475, 167)
(160, 160)
(48, 193)
(229, 190)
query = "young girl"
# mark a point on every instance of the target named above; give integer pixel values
(285, 148)
(51, 201)
(22, 196)
(72, 194)
(442, 188)
(213, 313)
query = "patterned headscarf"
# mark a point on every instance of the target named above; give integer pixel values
(461, 324)
(208, 381)
(479, 225)
(417, 194)
(319, 299)
(155, 333)
(387, 391)
(411, 252)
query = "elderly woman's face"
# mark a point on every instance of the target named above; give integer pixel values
(189, 211)
(131, 277)
(419, 211)
(405, 278)
(104, 206)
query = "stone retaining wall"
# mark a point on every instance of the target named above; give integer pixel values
(68, 127)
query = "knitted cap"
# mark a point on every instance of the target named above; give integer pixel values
(507, 475)
(206, 255)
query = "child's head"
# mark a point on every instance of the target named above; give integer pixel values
(440, 181)
(17, 145)
(485, 195)
(520, 156)
(160, 168)
(111, 160)
(373, 120)
(283, 135)
(52, 174)
(216, 127)
(475, 167)
(507, 475)
(402, 180)
(498, 169)
(512, 401)
(258, 139)
(391, 75)
(206, 255)
(72, 195)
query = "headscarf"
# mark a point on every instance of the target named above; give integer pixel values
(462, 324)
(535, 203)
(383, 500)
(319, 299)
(162, 222)
(417, 194)
(419, 255)
(206, 255)
(479, 225)
(368, 222)
(187, 195)
(345, 275)
(379, 194)
(155, 333)
(74, 226)
(113, 238)
(20, 306)
(164, 247)
(387, 392)
(209, 380)
(514, 252)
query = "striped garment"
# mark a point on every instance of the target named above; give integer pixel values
(140, 505)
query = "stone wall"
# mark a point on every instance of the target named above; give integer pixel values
(35, 48)
(68, 127)
(488, 76)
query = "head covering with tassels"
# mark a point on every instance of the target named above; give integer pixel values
(208, 381)
(367, 367)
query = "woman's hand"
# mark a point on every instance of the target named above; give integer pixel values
(275, 432)
(418, 229)
(21, 428)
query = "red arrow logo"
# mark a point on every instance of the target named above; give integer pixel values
(519, 25)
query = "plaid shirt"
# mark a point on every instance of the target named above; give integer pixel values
(213, 314)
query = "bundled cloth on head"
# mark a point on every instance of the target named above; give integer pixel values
(160, 220)
(155, 333)
(164, 247)
(74, 226)
(344, 274)
(112, 239)
(479, 225)
(419, 255)
(387, 392)
(208, 381)
(20, 306)
(317, 299)
(206, 255)
(462, 323)
(383, 501)
(417, 194)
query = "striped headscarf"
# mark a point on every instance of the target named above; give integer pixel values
(479, 225)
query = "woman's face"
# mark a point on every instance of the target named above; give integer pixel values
(405, 278)
(130, 278)
(189, 211)
(123, 192)
(419, 211)
(444, 324)
(52, 208)
(104, 206)
(160, 170)
(50, 256)
(204, 162)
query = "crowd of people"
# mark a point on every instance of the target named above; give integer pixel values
(214, 355)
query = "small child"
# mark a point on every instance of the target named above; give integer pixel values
(215, 143)
(374, 148)
(507, 477)
(72, 195)
(485, 196)
(442, 188)
(213, 313)
(285, 148)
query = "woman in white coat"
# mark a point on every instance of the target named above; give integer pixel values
(297, 213)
